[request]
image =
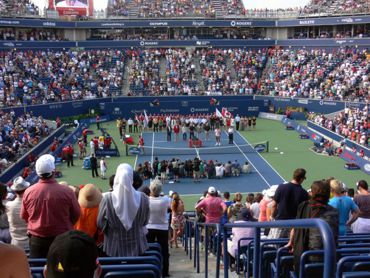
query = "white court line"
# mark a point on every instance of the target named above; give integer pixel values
(250, 162)
(135, 161)
(152, 149)
(262, 157)
(197, 151)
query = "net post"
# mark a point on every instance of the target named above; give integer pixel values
(126, 149)
(267, 146)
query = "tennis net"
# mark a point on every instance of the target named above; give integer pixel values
(230, 149)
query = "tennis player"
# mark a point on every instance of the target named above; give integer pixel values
(140, 144)
(218, 136)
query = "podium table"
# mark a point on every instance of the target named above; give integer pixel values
(195, 143)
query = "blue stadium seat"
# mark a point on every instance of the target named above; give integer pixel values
(130, 260)
(131, 273)
(358, 274)
(112, 268)
(354, 262)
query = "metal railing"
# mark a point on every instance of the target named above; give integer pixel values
(325, 231)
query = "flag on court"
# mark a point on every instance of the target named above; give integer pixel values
(218, 113)
(225, 113)
(146, 119)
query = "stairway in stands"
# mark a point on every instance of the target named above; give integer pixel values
(198, 73)
(133, 9)
(126, 77)
(217, 5)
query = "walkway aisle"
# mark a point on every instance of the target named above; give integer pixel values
(182, 267)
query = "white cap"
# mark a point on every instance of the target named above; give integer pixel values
(211, 190)
(170, 193)
(45, 164)
(19, 184)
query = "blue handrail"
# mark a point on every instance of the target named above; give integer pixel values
(325, 231)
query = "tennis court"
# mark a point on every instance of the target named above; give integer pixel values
(262, 176)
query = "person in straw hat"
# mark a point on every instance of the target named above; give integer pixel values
(17, 226)
(89, 199)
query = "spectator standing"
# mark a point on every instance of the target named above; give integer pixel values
(310, 239)
(184, 131)
(230, 132)
(4, 224)
(17, 226)
(218, 136)
(286, 200)
(89, 199)
(178, 219)
(345, 206)
(69, 154)
(97, 121)
(176, 130)
(48, 208)
(212, 206)
(123, 214)
(94, 165)
(255, 207)
(72, 254)
(169, 132)
(130, 124)
(362, 200)
(228, 203)
(103, 167)
(158, 221)
(237, 121)
(235, 208)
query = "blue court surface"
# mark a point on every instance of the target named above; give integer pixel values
(262, 176)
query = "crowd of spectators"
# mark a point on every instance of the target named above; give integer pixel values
(18, 8)
(175, 8)
(175, 169)
(137, 215)
(10, 34)
(32, 77)
(19, 135)
(44, 76)
(352, 124)
(240, 77)
(317, 73)
(231, 8)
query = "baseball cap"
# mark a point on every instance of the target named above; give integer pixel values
(45, 164)
(211, 190)
(72, 254)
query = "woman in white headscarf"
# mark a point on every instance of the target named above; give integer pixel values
(123, 215)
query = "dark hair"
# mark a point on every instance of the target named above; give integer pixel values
(363, 185)
(111, 182)
(227, 195)
(137, 181)
(258, 197)
(351, 192)
(299, 175)
(320, 191)
(250, 198)
(145, 190)
(3, 193)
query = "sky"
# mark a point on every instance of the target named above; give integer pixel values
(251, 4)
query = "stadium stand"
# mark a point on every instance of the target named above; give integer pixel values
(19, 135)
(18, 8)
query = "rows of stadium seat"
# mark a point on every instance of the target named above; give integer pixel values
(227, 8)
(341, 74)
(276, 260)
(146, 266)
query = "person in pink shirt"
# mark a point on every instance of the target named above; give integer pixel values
(212, 206)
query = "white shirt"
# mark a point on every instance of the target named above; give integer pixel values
(17, 226)
(220, 170)
(158, 207)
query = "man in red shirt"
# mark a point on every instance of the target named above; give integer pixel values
(48, 208)
(212, 206)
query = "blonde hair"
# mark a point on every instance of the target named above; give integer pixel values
(336, 186)
(156, 187)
